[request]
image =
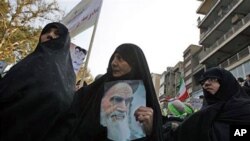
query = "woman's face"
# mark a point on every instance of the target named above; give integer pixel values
(119, 66)
(52, 33)
(211, 85)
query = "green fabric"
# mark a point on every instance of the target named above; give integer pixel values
(188, 110)
(176, 112)
(173, 110)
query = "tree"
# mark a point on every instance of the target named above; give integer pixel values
(20, 25)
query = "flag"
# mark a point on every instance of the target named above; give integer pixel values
(182, 93)
(77, 56)
(165, 98)
(82, 16)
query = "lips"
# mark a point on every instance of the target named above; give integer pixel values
(117, 117)
(209, 90)
(115, 71)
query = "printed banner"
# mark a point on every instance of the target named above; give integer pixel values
(82, 16)
(119, 103)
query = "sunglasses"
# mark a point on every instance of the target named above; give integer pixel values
(210, 80)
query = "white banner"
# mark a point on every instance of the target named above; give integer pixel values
(82, 16)
(77, 55)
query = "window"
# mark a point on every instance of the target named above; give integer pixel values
(190, 90)
(241, 70)
(247, 67)
(188, 63)
(189, 81)
(188, 73)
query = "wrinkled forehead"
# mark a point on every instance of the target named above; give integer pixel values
(121, 89)
(117, 56)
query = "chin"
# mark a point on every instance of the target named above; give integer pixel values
(212, 92)
(118, 130)
(117, 75)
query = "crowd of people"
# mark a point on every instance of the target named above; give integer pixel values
(39, 100)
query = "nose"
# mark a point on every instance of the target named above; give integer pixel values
(122, 106)
(206, 83)
(50, 35)
(114, 62)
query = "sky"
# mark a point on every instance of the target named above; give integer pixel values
(163, 29)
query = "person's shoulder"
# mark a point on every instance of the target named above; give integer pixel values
(247, 89)
(82, 90)
(246, 84)
(86, 89)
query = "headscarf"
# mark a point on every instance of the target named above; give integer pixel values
(226, 90)
(229, 105)
(89, 98)
(38, 89)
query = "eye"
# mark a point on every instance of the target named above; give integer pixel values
(57, 32)
(116, 99)
(49, 37)
(118, 57)
(213, 79)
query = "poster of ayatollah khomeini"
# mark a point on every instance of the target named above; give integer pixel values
(120, 101)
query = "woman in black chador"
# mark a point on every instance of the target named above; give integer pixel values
(127, 63)
(37, 90)
(227, 104)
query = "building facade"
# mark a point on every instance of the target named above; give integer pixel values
(178, 73)
(156, 82)
(191, 61)
(162, 89)
(170, 80)
(224, 36)
(167, 83)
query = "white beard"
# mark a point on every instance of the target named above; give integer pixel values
(118, 130)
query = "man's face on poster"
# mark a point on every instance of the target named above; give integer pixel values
(115, 103)
(79, 53)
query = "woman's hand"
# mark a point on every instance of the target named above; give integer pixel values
(145, 116)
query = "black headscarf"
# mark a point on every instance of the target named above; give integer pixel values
(35, 91)
(89, 98)
(228, 106)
